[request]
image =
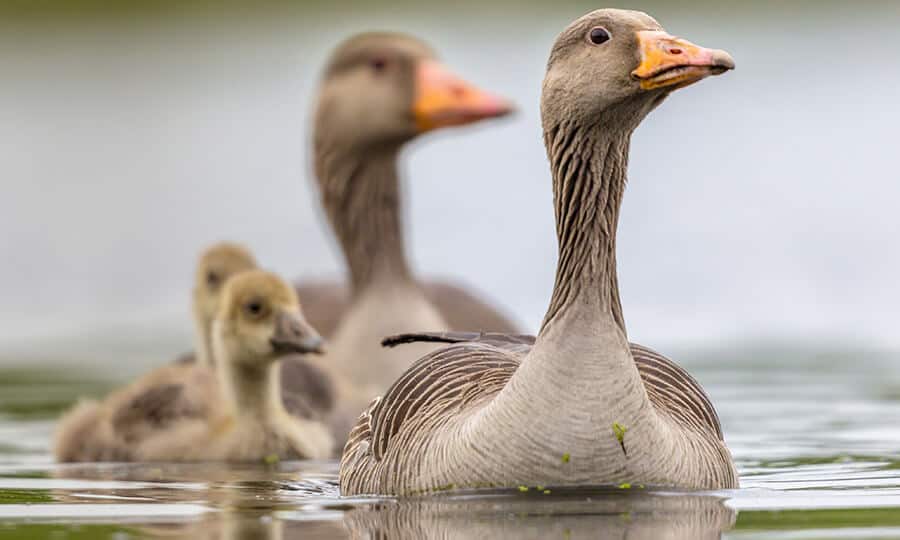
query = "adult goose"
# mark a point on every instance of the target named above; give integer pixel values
(380, 91)
(574, 406)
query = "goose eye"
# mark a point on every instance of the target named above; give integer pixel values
(599, 35)
(255, 308)
(378, 64)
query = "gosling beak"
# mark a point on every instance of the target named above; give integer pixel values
(442, 99)
(668, 61)
(294, 334)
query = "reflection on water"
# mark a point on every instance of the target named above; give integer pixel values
(608, 513)
(813, 432)
(247, 502)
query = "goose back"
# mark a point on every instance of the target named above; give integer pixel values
(328, 301)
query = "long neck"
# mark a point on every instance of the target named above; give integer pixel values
(580, 371)
(361, 195)
(589, 169)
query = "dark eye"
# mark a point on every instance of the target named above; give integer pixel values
(378, 64)
(212, 279)
(255, 308)
(599, 35)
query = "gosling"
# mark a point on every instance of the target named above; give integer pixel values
(259, 320)
(109, 430)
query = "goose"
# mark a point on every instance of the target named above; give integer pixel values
(573, 406)
(307, 390)
(216, 265)
(380, 91)
(258, 321)
(109, 430)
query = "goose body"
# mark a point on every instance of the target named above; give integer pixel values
(577, 404)
(458, 306)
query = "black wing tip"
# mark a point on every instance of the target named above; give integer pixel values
(421, 337)
(458, 337)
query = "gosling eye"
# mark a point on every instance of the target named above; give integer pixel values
(255, 309)
(599, 35)
(378, 64)
(212, 279)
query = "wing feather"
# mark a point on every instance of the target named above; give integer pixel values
(476, 365)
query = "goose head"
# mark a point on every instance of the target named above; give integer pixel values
(216, 265)
(383, 89)
(260, 320)
(617, 65)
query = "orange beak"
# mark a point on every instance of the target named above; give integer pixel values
(443, 99)
(667, 61)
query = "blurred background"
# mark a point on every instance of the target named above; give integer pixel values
(761, 206)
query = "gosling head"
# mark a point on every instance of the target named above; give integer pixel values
(620, 63)
(216, 265)
(260, 320)
(382, 89)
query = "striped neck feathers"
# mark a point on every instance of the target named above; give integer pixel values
(589, 166)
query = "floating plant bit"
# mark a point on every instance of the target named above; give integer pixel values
(620, 431)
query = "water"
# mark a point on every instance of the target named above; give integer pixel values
(814, 433)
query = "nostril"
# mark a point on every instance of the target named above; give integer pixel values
(458, 91)
(675, 50)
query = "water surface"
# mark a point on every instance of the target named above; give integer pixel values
(814, 433)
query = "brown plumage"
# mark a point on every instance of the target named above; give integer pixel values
(576, 405)
(669, 387)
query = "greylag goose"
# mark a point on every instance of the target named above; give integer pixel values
(259, 320)
(573, 406)
(380, 91)
(216, 265)
(109, 430)
(306, 390)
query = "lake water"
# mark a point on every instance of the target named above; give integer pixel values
(758, 236)
(814, 432)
